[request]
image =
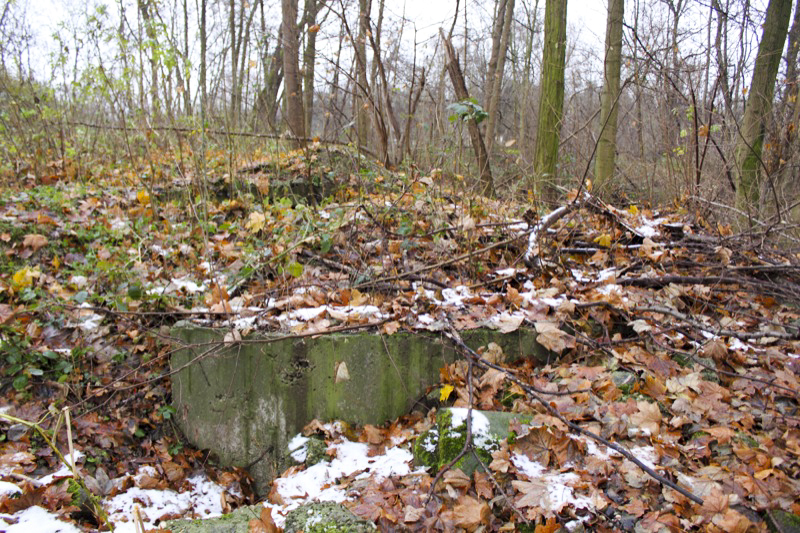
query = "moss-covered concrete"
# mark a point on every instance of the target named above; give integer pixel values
(783, 522)
(440, 445)
(244, 401)
(325, 517)
(235, 522)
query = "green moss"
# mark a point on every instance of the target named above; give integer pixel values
(425, 448)
(325, 517)
(315, 451)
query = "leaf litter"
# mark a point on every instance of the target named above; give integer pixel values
(669, 335)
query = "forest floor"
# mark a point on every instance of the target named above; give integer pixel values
(671, 335)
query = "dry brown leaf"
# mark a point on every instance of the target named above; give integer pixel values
(553, 338)
(483, 485)
(34, 241)
(456, 478)
(470, 513)
(537, 445)
(412, 514)
(648, 419)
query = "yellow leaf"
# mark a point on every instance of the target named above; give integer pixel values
(445, 392)
(23, 278)
(143, 196)
(603, 240)
(633, 210)
(256, 222)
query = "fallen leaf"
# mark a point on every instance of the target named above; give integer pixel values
(34, 241)
(470, 513)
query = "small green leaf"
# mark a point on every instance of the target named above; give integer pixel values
(20, 382)
(295, 269)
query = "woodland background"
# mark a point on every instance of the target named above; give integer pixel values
(660, 114)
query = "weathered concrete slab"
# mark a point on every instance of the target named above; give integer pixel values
(244, 401)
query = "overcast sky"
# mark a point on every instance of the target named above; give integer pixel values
(586, 18)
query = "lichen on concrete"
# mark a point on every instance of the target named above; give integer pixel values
(236, 522)
(325, 517)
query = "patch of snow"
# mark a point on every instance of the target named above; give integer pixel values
(63, 471)
(187, 285)
(7, 488)
(90, 321)
(506, 272)
(425, 319)
(456, 296)
(647, 231)
(592, 448)
(203, 500)
(737, 344)
(556, 490)
(35, 519)
(298, 448)
(607, 273)
(247, 322)
(480, 424)
(159, 250)
(646, 454)
(317, 483)
(580, 275)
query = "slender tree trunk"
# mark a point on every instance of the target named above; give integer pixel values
(790, 110)
(309, 58)
(497, 81)
(145, 9)
(203, 55)
(607, 144)
(360, 104)
(759, 103)
(236, 38)
(526, 76)
(334, 90)
(460, 87)
(293, 91)
(551, 98)
(497, 34)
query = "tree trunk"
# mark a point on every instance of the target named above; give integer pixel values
(309, 57)
(607, 144)
(551, 98)
(293, 91)
(184, 66)
(236, 39)
(526, 76)
(759, 103)
(360, 104)
(494, 81)
(460, 87)
(145, 8)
